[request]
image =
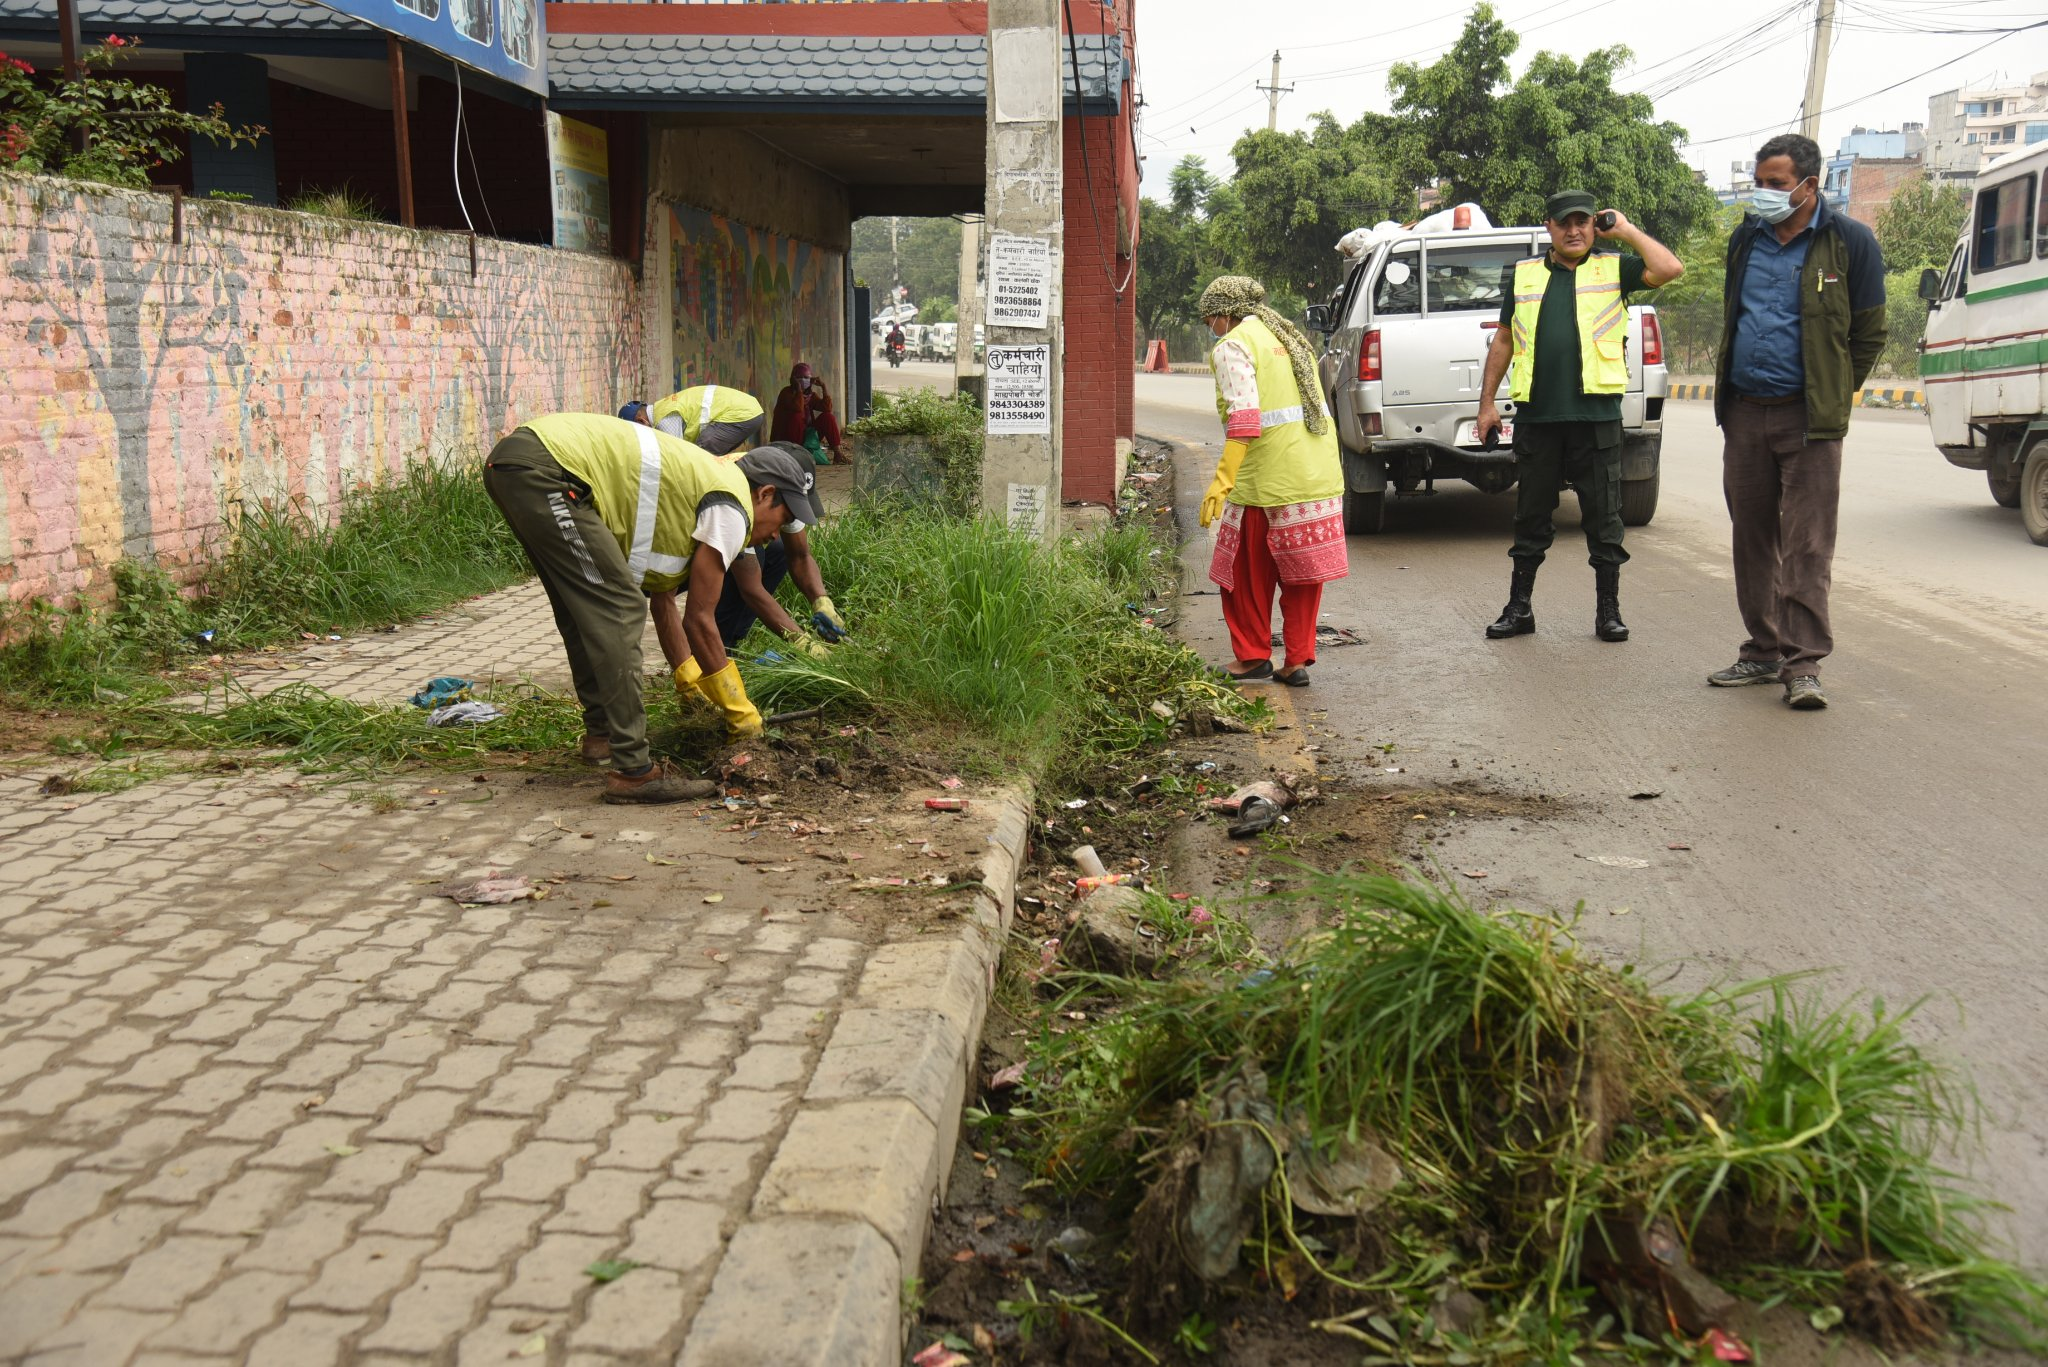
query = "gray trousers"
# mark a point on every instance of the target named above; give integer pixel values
(1782, 492)
(599, 612)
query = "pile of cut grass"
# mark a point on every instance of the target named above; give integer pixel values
(1529, 1092)
(392, 551)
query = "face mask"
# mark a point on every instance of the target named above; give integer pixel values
(805, 383)
(1772, 206)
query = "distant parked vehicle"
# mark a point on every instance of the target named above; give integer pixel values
(1984, 355)
(941, 342)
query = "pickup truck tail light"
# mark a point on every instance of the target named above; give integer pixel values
(1369, 356)
(1653, 341)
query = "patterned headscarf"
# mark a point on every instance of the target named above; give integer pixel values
(1240, 296)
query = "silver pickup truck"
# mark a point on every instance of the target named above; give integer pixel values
(1405, 341)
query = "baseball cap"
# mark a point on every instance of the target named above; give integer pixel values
(631, 411)
(1565, 203)
(788, 469)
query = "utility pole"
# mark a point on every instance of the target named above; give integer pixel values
(1274, 91)
(895, 267)
(1024, 246)
(1817, 70)
(965, 366)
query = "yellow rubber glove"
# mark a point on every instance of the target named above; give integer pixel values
(729, 695)
(686, 676)
(810, 645)
(826, 620)
(1223, 483)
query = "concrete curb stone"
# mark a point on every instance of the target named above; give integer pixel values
(839, 1222)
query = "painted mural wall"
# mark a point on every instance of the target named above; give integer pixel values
(746, 304)
(152, 387)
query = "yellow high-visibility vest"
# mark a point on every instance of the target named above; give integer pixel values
(705, 403)
(1286, 463)
(1603, 325)
(646, 487)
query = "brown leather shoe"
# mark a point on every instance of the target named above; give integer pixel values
(659, 784)
(595, 750)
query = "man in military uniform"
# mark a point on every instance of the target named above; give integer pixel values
(1564, 325)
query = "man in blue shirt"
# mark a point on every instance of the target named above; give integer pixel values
(1803, 322)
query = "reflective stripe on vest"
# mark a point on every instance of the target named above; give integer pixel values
(704, 413)
(650, 500)
(1596, 294)
(1274, 417)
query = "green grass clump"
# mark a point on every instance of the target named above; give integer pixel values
(1528, 1091)
(953, 428)
(985, 633)
(344, 202)
(391, 551)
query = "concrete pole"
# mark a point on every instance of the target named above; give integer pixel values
(1023, 194)
(1273, 95)
(1817, 70)
(969, 309)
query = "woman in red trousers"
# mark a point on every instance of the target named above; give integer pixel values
(1279, 488)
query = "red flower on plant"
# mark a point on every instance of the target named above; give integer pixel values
(116, 40)
(18, 64)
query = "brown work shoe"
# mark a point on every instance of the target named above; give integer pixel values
(659, 784)
(595, 750)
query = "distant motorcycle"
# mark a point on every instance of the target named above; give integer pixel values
(895, 350)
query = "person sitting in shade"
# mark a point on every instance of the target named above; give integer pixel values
(717, 417)
(803, 415)
(612, 515)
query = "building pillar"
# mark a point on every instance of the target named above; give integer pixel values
(1021, 470)
(241, 86)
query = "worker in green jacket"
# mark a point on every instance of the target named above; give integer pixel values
(717, 417)
(612, 515)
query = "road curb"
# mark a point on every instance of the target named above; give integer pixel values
(1865, 398)
(815, 1276)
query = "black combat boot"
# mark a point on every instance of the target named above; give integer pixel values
(1517, 618)
(1607, 623)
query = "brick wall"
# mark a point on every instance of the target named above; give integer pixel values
(1100, 321)
(152, 387)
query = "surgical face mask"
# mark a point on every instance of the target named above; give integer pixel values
(804, 383)
(1773, 205)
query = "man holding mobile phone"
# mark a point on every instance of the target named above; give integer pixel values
(1564, 328)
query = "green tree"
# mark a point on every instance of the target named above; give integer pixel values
(927, 252)
(1919, 225)
(1690, 310)
(1172, 246)
(1509, 146)
(1296, 193)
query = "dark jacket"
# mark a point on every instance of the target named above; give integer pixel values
(1842, 323)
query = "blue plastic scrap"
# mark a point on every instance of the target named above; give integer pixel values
(445, 689)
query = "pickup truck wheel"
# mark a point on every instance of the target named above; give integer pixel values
(2004, 492)
(1639, 500)
(1365, 514)
(2034, 493)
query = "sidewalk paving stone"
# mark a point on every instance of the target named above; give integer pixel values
(275, 1099)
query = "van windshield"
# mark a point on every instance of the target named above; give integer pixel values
(1470, 279)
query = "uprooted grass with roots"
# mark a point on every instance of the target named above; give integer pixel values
(1517, 1109)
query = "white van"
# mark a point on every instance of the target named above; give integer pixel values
(1406, 338)
(1984, 356)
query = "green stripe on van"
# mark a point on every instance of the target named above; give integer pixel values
(2007, 291)
(1997, 356)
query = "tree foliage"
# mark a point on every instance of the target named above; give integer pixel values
(1919, 226)
(927, 254)
(1464, 124)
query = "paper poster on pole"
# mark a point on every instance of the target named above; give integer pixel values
(1026, 509)
(1019, 389)
(579, 175)
(1019, 280)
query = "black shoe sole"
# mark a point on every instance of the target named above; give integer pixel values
(1519, 629)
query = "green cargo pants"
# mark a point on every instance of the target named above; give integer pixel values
(598, 610)
(1586, 455)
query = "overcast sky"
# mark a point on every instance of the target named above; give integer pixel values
(1730, 73)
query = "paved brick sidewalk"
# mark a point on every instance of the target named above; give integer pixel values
(266, 1096)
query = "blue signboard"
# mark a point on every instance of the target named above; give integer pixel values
(502, 38)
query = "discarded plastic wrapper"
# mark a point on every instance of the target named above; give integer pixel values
(1084, 886)
(1256, 815)
(491, 890)
(1280, 793)
(946, 804)
(463, 714)
(445, 689)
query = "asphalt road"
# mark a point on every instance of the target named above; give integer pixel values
(1889, 839)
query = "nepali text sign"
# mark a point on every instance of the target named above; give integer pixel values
(1019, 389)
(502, 38)
(1019, 281)
(579, 175)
